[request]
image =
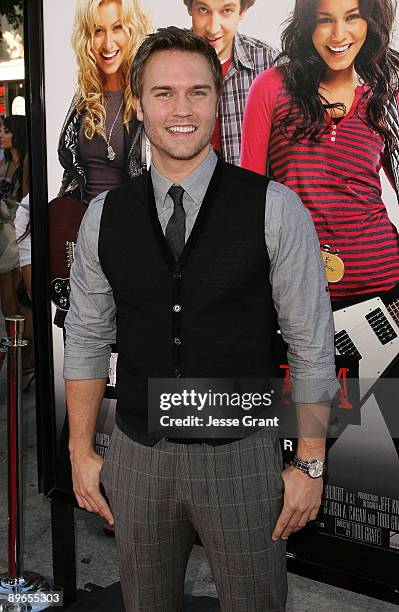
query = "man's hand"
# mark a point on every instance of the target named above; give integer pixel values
(302, 499)
(84, 399)
(86, 467)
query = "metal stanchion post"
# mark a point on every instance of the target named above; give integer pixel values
(17, 588)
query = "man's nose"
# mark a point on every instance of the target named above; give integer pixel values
(214, 24)
(182, 106)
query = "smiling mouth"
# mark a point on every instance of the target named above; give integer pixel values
(339, 51)
(109, 57)
(214, 41)
(181, 129)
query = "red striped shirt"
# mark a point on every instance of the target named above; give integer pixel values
(337, 179)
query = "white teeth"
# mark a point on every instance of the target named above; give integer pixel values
(109, 55)
(339, 49)
(182, 129)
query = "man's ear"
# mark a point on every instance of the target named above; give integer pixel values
(243, 13)
(189, 10)
(139, 109)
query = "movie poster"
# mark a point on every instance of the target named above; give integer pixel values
(361, 497)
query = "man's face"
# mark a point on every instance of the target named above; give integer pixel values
(178, 106)
(217, 21)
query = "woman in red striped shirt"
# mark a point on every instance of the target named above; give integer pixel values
(316, 124)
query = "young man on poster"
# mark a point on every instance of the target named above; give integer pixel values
(242, 58)
(192, 305)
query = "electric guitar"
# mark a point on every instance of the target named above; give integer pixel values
(65, 216)
(369, 331)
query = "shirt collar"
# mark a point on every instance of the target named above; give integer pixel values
(240, 53)
(195, 184)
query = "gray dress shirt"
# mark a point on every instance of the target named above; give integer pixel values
(297, 276)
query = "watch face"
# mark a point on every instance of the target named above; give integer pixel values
(316, 469)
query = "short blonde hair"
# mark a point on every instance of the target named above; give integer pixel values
(137, 24)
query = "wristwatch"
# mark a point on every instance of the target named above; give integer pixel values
(314, 469)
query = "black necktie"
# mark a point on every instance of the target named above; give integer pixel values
(176, 229)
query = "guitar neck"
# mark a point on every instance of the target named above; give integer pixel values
(393, 310)
(70, 253)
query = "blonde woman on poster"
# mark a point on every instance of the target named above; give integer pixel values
(99, 145)
(317, 122)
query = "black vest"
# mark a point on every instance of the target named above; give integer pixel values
(209, 315)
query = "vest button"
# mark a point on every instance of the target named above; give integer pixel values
(177, 341)
(178, 276)
(177, 308)
(176, 373)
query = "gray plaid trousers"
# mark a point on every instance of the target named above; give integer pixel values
(231, 495)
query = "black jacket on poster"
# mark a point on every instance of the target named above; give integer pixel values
(74, 178)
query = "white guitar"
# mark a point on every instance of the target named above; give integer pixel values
(369, 331)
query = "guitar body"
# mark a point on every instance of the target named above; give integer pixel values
(369, 331)
(65, 216)
(59, 293)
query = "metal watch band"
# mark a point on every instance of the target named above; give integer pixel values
(301, 464)
(305, 466)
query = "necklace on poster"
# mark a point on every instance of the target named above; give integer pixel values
(110, 151)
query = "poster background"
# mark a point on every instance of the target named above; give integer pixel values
(262, 21)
